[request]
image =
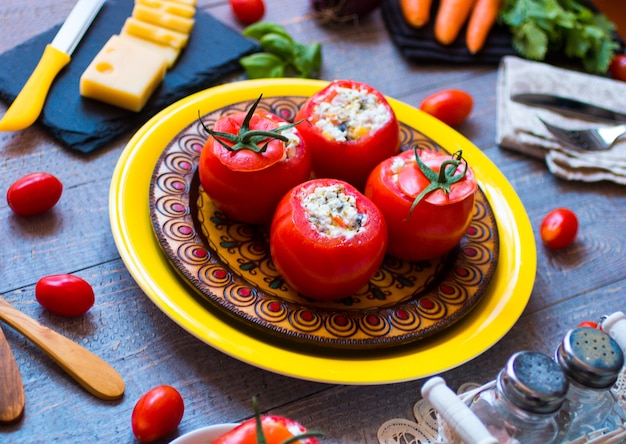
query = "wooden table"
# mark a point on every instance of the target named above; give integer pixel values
(125, 328)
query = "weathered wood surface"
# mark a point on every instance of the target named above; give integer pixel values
(148, 349)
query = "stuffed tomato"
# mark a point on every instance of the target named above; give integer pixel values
(327, 239)
(249, 161)
(427, 199)
(351, 128)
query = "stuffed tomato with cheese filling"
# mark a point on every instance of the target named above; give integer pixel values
(427, 199)
(351, 128)
(249, 162)
(327, 239)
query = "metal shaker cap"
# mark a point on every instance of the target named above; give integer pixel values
(533, 382)
(590, 357)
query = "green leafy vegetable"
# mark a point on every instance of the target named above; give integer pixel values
(543, 26)
(282, 56)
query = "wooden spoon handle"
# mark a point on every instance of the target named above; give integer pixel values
(11, 386)
(89, 370)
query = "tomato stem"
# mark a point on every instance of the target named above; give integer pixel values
(247, 138)
(442, 180)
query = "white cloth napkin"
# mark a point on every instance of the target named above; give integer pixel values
(519, 127)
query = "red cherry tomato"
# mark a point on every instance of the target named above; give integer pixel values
(64, 294)
(247, 185)
(558, 229)
(617, 68)
(248, 11)
(345, 141)
(276, 430)
(327, 239)
(157, 413)
(451, 106)
(34, 194)
(589, 324)
(438, 222)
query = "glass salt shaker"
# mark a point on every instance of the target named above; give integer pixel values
(522, 406)
(591, 360)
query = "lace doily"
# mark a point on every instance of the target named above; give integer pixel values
(428, 428)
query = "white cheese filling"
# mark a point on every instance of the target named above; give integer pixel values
(332, 212)
(351, 114)
(293, 140)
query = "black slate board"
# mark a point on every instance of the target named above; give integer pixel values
(420, 44)
(83, 124)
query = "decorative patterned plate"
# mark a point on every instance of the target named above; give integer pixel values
(229, 262)
(131, 225)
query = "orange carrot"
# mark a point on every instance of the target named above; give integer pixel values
(416, 12)
(482, 19)
(451, 17)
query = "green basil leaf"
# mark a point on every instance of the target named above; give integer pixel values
(307, 59)
(263, 65)
(258, 30)
(277, 44)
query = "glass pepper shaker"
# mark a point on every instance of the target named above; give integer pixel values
(522, 406)
(591, 360)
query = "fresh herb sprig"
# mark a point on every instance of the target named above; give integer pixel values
(543, 26)
(282, 56)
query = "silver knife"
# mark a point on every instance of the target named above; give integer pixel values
(568, 106)
(29, 102)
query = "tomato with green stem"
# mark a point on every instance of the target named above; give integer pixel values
(249, 161)
(559, 228)
(327, 239)
(157, 413)
(350, 127)
(427, 199)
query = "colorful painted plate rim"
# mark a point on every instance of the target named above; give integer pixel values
(501, 306)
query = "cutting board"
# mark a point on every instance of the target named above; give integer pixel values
(213, 52)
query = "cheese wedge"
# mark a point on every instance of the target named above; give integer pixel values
(158, 17)
(155, 33)
(169, 7)
(167, 52)
(123, 74)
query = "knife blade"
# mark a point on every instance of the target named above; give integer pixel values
(29, 102)
(568, 106)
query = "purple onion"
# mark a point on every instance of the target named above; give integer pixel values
(341, 11)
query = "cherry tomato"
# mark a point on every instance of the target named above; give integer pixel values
(247, 185)
(451, 106)
(248, 11)
(327, 239)
(157, 413)
(438, 222)
(558, 229)
(64, 294)
(589, 324)
(351, 129)
(617, 68)
(34, 194)
(276, 430)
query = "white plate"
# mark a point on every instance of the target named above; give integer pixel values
(205, 435)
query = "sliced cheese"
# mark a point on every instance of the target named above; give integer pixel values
(169, 7)
(157, 17)
(155, 33)
(123, 74)
(167, 52)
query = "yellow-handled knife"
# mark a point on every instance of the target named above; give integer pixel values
(29, 102)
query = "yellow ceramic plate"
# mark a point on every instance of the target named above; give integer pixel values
(496, 313)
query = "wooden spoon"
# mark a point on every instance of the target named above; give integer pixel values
(11, 387)
(89, 370)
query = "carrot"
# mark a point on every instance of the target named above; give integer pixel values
(416, 12)
(451, 17)
(482, 19)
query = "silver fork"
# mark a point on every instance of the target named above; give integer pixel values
(593, 139)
